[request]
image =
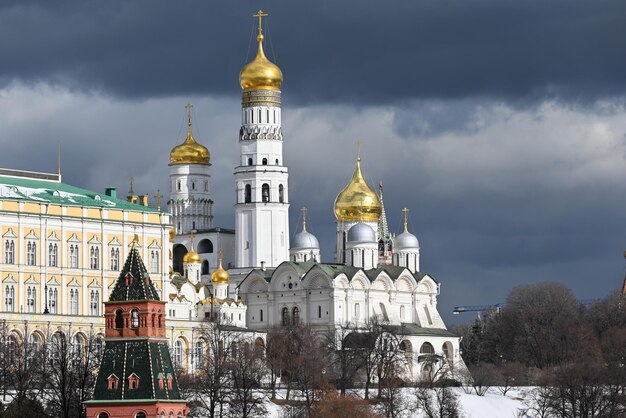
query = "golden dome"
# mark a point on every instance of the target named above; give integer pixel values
(220, 276)
(357, 202)
(260, 73)
(191, 257)
(172, 233)
(189, 152)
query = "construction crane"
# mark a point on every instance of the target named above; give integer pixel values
(483, 309)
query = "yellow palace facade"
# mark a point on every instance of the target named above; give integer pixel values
(62, 248)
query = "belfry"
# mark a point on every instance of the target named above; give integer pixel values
(136, 376)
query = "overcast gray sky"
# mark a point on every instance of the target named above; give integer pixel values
(501, 125)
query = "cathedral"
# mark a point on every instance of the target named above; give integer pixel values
(62, 248)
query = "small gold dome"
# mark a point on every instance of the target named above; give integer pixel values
(172, 233)
(189, 152)
(191, 257)
(220, 276)
(357, 202)
(260, 73)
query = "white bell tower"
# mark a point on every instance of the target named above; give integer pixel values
(262, 207)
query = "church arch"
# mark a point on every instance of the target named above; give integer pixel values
(448, 351)
(177, 257)
(248, 194)
(205, 246)
(264, 161)
(265, 193)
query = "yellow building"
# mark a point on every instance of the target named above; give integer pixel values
(62, 249)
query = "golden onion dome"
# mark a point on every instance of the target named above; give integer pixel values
(191, 257)
(357, 202)
(220, 276)
(260, 73)
(189, 152)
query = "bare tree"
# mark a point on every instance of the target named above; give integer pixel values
(510, 374)
(248, 369)
(72, 362)
(437, 402)
(213, 378)
(343, 358)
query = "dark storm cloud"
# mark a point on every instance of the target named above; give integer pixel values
(357, 52)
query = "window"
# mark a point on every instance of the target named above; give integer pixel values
(98, 346)
(402, 312)
(285, 317)
(261, 315)
(77, 349)
(205, 267)
(357, 310)
(154, 261)
(264, 161)
(277, 161)
(73, 301)
(198, 354)
(248, 194)
(119, 319)
(53, 255)
(281, 194)
(94, 257)
(31, 298)
(178, 185)
(9, 298)
(206, 186)
(53, 294)
(265, 192)
(134, 318)
(104, 414)
(74, 256)
(178, 353)
(94, 303)
(140, 415)
(427, 348)
(133, 381)
(9, 251)
(296, 315)
(31, 253)
(249, 161)
(427, 312)
(115, 258)
(193, 185)
(319, 311)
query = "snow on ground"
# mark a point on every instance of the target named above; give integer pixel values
(492, 405)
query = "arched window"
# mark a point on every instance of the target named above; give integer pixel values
(319, 311)
(178, 353)
(94, 257)
(94, 303)
(205, 267)
(264, 161)
(53, 295)
(357, 310)
(402, 312)
(154, 261)
(53, 251)
(205, 246)
(178, 185)
(428, 318)
(249, 161)
(134, 318)
(285, 317)
(277, 161)
(193, 185)
(296, 315)
(198, 354)
(31, 253)
(119, 319)
(103, 415)
(265, 193)
(281, 194)
(140, 415)
(248, 194)
(447, 350)
(261, 315)
(427, 348)
(73, 301)
(115, 258)
(74, 256)
(9, 251)
(9, 298)
(31, 299)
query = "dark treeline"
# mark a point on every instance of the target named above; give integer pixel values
(545, 337)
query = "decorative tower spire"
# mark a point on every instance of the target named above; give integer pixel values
(383, 226)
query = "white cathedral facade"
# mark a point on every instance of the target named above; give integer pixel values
(272, 280)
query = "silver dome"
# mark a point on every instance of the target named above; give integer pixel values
(361, 233)
(305, 240)
(406, 240)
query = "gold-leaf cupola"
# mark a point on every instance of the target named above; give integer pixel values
(357, 202)
(220, 276)
(192, 257)
(189, 152)
(260, 73)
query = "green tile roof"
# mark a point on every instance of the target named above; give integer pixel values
(55, 192)
(134, 272)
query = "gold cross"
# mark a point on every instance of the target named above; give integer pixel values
(406, 219)
(260, 14)
(131, 191)
(189, 107)
(191, 237)
(358, 149)
(304, 209)
(158, 197)
(135, 237)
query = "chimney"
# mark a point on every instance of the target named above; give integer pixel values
(111, 192)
